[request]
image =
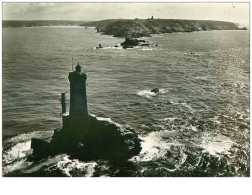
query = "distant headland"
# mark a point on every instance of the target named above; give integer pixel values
(34, 23)
(136, 28)
(133, 28)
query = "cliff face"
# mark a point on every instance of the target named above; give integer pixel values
(139, 28)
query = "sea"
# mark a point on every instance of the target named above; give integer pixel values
(197, 125)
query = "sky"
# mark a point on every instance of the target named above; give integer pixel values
(232, 12)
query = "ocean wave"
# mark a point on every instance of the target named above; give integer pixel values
(59, 163)
(73, 167)
(146, 93)
(216, 145)
(21, 164)
(156, 35)
(18, 148)
(109, 120)
(154, 146)
(15, 158)
(28, 136)
(136, 47)
(216, 120)
(149, 94)
(16, 152)
(105, 48)
(192, 110)
(146, 49)
(169, 119)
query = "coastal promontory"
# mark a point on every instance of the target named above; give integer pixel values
(145, 27)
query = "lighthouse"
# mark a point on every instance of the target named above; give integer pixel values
(78, 113)
(78, 95)
(84, 136)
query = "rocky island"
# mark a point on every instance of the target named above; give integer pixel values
(131, 43)
(145, 27)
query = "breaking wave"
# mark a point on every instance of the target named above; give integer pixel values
(154, 147)
(16, 160)
(105, 48)
(149, 94)
(18, 148)
(216, 145)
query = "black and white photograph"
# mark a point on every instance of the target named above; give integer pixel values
(126, 89)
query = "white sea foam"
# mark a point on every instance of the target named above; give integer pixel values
(216, 145)
(146, 49)
(15, 166)
(104, 119)
(105, 48)
(15, 156)
(18, 151)
(215, 120)
(148, 94)
(162, 91)
(136, 47)
(28, 136)
(154, 147)
(59, 162)
(21, 145)
(67, 166)
(48, 162)
(186, 105)
(156, 35)
(108, 120)
(169, 119)
(195, 129)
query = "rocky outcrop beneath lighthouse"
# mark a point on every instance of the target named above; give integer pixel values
(104, 140)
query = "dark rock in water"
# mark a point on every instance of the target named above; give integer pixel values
(155, 90)
(40, 148)
(100, 46)
(131, 43)
(105, 140)
(244, 28)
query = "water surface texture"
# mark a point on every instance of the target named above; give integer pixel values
(198, 125)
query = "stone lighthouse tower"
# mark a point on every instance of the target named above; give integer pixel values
(78, 95)
(78, 115)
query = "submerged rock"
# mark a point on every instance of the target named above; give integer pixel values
(99, 47)
(155, 90)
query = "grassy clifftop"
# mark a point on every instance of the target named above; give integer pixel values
(141, 27)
